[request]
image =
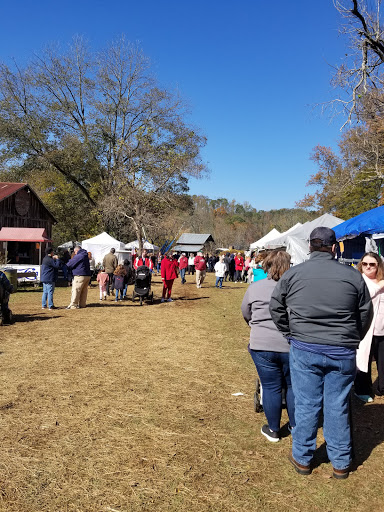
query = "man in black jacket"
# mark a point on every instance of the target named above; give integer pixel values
(324, 309)
(5, 290)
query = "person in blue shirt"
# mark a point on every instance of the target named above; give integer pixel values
(79, 265)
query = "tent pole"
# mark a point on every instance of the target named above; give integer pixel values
(39, 253)
(6, 252)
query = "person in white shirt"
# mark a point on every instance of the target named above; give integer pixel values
(191, 264)
(220, 269)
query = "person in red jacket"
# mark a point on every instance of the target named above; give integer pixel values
(239, 265)
(183, 265)
(168, 275)
(201, 268)
(143, 261)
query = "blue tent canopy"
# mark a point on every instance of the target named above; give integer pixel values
(366, 223)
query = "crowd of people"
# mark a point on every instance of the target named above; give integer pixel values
(113, 279)
(315, 329)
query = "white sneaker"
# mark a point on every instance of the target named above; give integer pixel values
(169, 300)
(162, 300)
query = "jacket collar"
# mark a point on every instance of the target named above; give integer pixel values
(317, 255)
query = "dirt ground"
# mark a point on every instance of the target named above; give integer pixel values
(122, 408)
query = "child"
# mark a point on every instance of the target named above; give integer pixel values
(119, 279)
(102, 279)
(220, 269)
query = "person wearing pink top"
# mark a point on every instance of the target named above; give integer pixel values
(103, 280)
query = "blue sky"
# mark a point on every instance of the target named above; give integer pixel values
(251, 70)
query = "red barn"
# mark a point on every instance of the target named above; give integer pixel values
(27, 223)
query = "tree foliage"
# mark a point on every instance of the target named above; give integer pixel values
(235, 224)
(101, 122)
(351, 182)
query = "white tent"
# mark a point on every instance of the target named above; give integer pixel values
(146, 245)
(68, 245)
(269, 236)
(303, 231)
(296, 240)
(298, 249)
(101, 245)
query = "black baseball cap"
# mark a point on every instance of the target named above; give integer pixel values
(325, 235)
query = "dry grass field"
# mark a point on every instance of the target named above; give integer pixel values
(122, 408)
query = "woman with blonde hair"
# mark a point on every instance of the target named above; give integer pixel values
(268, 347)
(372, 346)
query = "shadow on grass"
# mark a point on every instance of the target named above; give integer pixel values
(368, 429)
(190, 298)
(32, 318)
(27, 289)
(114, 304)
(368, 433)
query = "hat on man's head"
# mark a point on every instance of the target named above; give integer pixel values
(325, 235)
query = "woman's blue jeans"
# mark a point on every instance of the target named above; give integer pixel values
(320, 382)
(274, 374)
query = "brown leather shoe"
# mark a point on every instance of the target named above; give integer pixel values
(341, 474)
(300, 468)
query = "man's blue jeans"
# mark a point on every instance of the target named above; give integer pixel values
(319, 381)
(48, 289)
(182, 275)
(273, 370)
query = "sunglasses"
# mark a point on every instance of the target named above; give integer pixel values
(365, 264)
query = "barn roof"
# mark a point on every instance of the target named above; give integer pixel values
(194, 239)
(9, 188)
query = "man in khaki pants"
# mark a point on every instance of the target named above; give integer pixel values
(79, 265)
(201, 269)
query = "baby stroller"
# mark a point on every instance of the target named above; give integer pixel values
(258, 397)
(142, 287)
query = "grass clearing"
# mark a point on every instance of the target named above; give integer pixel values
(118, 407)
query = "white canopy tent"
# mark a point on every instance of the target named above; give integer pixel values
(68, 245)
(296, 240)
(260, 243)
(146, 245)
(303, 231)
(298, 249)
(101, 245)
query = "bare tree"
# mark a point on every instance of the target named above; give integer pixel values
(361, 72)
